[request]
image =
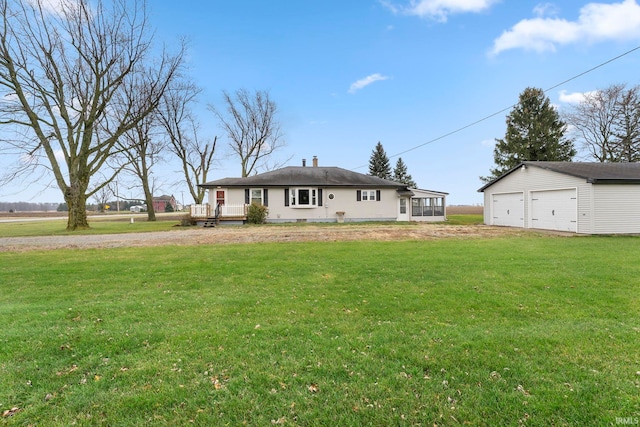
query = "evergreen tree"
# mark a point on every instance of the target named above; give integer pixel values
(535, 132)
(400, 174)
(379, 163)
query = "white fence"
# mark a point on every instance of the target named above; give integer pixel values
(207, 211)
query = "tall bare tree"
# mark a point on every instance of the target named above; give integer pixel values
(252, 127)
(593, 122)
(627, 125)
(183, 133)
(72, 81)
(141, 151)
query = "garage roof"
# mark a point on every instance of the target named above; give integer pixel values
(595, 173)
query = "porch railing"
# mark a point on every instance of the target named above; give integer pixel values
(200, 211)
(233, 210)
(207, 211)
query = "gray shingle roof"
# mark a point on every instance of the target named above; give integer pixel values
(306, 176)
(596, 173)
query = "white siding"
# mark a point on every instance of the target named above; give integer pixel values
(616, 209)
(344, 200)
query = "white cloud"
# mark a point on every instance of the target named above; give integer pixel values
(54, 7)
(546, 9)
(356, 86)
(575, 97)
(10, 98)
(439, 10)
(596, 22)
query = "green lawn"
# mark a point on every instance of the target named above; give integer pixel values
(535, 331)
(98, 226)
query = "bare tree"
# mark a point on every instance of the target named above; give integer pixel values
(102, 197)
(196, 155)
(627, 125)
(73, 81)
(593, 121)
(141, 151)
(251, 125)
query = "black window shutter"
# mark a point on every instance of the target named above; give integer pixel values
(319, 196)
(286, 197)
(265, 196)
(246, 196)
(378, 195)
(358, 195)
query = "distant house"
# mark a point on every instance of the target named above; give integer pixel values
(584, 198)
(321, 194)
(162, 204)
(138, 208)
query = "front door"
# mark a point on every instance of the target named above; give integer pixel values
(220, 196)
(403, 209)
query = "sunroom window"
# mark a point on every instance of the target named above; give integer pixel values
(427, 206)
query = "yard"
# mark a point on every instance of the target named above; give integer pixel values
(476, 329)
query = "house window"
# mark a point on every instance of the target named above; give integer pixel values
(367, 195)
(256, 196)
(304, 197)
(403, 206)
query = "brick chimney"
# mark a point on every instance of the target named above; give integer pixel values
(315, 161)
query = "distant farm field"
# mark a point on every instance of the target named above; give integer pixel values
(523, 329)
(464, 210)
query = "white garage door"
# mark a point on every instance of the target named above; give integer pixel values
(508, 209)
(554, 210)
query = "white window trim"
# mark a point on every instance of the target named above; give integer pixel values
(251, 190)
(294, 197)
(364, 196)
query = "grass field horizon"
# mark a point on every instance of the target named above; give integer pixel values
(535, 330)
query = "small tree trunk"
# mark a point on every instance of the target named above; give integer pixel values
(151, 213)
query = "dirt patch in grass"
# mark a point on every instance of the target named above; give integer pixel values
(255, 234)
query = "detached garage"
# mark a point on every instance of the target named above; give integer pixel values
(585, 198)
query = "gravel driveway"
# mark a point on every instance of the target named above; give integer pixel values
(249, 234)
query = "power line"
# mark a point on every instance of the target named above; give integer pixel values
(460, 129)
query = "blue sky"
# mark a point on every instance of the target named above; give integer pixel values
(347, 74)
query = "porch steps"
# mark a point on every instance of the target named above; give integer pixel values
(210, 222)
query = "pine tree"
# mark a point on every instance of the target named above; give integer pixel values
(379, 163)
(401, 175)
(535, 132)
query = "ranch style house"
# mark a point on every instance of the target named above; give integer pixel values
(318, 194)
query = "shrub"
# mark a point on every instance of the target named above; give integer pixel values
(188, 221)
(257, 213)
